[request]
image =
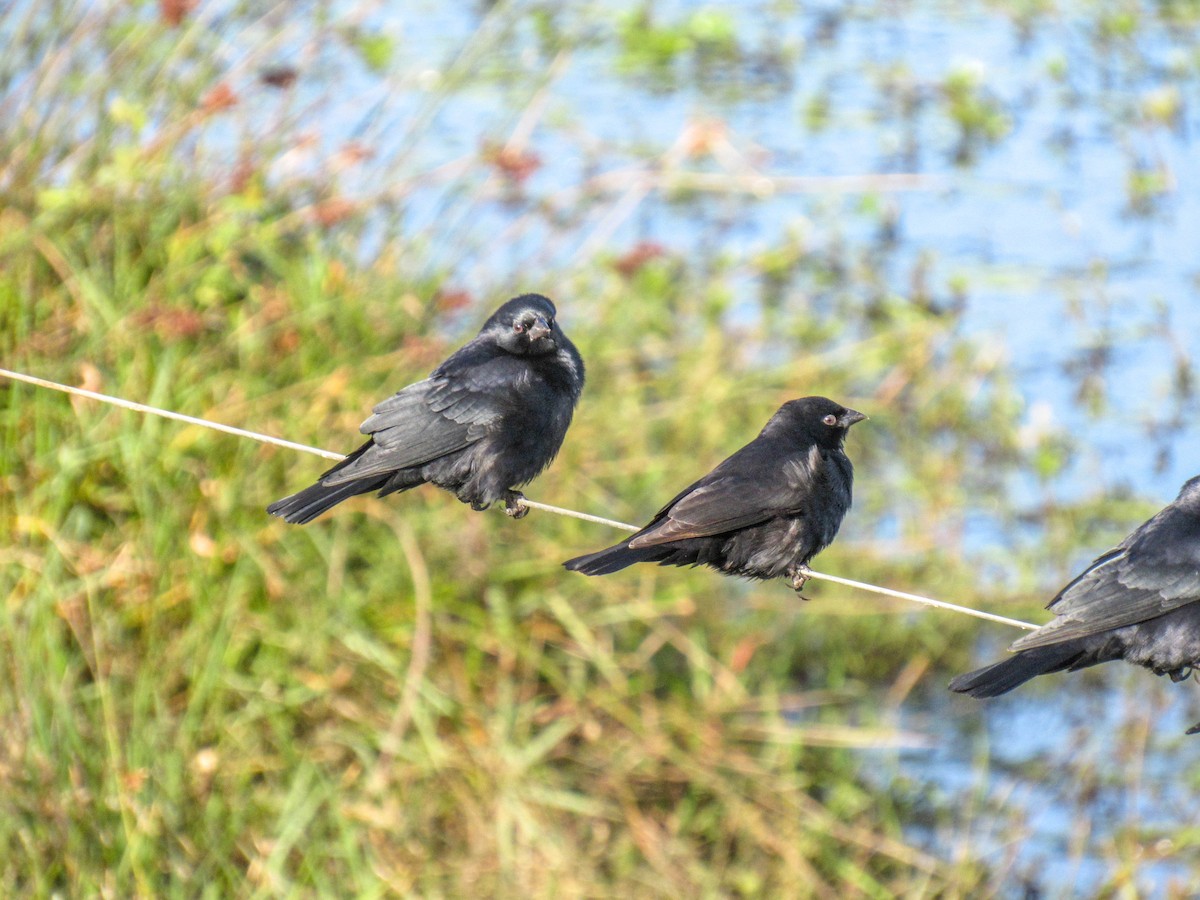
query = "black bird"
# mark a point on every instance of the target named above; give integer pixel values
(1139, 602)
(764, 512)
(490, 418)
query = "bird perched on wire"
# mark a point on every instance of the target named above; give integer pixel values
(763, 512)
(1139, 602)
(489, 419)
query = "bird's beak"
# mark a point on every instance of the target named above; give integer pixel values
(539, 329)
(850, 417)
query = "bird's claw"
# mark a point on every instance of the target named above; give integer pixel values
(800, 576)
(514, 505)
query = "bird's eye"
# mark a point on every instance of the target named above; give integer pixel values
(830, 419)
(518, 327)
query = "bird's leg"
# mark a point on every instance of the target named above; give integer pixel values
(799, 576)
(514, 504)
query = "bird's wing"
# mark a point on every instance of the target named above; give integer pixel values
(421, 423)
(747, 489)
(1153, 571)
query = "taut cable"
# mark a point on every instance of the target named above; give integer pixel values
(557, 510)
(167, 414)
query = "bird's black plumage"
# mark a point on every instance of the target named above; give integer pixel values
(763, 512)
(1139, 602)
(489, 418)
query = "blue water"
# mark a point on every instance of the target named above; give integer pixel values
(1067, 772)
(1039, 223)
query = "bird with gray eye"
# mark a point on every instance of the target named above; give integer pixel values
(762, 513)
(486, 421)
(1139, 602)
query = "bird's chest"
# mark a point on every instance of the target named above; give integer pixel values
(535, 408)
(541, 402)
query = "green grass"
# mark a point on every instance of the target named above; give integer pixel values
(408, 696)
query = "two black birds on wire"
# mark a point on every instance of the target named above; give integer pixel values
(494, 414)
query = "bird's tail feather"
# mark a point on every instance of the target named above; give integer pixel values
(306, 505)
(612, 559)
(1000, 678)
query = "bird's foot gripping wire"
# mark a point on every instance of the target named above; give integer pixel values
(1179, 675)
(799, 577)
(514, 505)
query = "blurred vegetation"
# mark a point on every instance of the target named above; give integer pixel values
(407, 697)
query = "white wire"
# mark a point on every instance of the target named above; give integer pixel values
(557, 510)
(167, 414)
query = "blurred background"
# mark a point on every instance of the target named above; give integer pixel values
(976, 222)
